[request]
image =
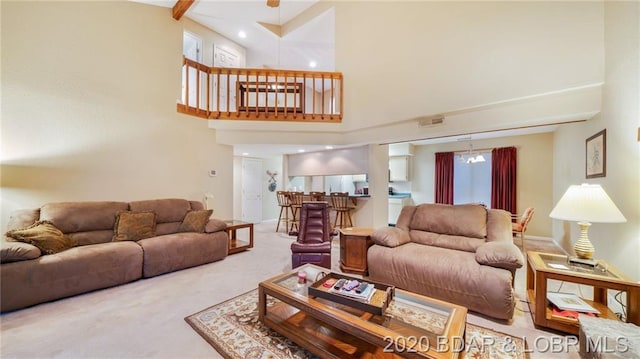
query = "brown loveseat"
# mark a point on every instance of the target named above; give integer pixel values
(29, 277)
(463, 254)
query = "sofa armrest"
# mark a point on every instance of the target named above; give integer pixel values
(17, 251)
(500, 255)
(390, 236)
(215, 225)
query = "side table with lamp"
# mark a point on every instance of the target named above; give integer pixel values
(583, 203)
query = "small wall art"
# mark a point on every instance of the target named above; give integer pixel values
(596, 155)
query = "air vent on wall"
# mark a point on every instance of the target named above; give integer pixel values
(431, 121)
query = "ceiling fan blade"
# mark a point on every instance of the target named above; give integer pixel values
(273, 3)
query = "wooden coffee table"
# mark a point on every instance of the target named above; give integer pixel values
(435, 329)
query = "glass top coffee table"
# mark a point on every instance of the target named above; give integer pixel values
(411, 326)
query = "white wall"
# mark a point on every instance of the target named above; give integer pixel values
(440, 56)
(534, 174)
(617, 243)
(485, 65)
(270, 208)
(344, 161)
(88, 109)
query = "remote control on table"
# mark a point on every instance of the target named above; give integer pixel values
(362, 287)
(329, 283)
(351, 284)
(340, 283)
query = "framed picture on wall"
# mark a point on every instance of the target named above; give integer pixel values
(596, 155)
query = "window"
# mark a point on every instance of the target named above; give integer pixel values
(472, 181)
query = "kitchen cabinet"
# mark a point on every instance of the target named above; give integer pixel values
(359, 178)
(395, 207)
(399, 168)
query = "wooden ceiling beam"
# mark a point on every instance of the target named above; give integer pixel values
(181, 7)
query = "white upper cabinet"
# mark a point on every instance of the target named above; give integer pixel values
(399, 168)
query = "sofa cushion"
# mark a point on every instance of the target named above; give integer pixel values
(17, 251)
(404, 219)
(467, 220)
(195, 221)
(22, 218)
(499, 226)
(134, 226)
(215, 225)
(92, 237)
(167, 210)
(500, 254)
(461, 243)
(71, 217)
(167, 228)
(44, 235)
(390, 236)
(445, 274)
(74, 271)
(171, 252)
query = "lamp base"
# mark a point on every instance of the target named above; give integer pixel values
(583, 247)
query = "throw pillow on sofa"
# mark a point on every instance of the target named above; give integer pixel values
(134, 226)
(44, 235)
(195, 221)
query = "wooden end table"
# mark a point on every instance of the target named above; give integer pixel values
(543, 266)
(235, 244)
(354, 243)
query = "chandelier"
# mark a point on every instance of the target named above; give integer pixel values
(470, 157)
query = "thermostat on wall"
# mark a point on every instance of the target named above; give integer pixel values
(213, 173)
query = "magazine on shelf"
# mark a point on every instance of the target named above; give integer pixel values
(570, 301)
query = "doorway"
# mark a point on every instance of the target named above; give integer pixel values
(251, 190)
(191, 49)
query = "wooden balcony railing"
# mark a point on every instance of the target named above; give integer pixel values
(260, 94)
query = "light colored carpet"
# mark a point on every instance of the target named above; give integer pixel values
(146, 318)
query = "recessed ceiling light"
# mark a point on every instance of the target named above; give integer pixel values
(245, 153)
(328, 147)
(313, 64)
(301, 150)
(242, 34)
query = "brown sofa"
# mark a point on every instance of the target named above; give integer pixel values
(463, 254)
(29, 278)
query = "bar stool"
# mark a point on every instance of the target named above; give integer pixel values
(317, 196)
(295, 198)
(340, 204)
(285, 208)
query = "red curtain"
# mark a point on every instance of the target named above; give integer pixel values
(503, 178)
(444, 178)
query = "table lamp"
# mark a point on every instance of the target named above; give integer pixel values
(586, 203)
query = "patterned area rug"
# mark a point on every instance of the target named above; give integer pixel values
(233, 329)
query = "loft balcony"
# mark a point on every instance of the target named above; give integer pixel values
(216, 93)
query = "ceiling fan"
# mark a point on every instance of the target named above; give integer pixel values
(273, 3)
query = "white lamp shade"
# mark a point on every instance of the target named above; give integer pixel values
(587, 203)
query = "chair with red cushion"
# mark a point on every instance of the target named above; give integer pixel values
(313, 244)
(520, 226)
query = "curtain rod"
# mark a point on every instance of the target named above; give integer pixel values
(473, 150)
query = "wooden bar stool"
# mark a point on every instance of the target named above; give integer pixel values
(295, 198)
(340, 204)
(317, 196)
(285, 208)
